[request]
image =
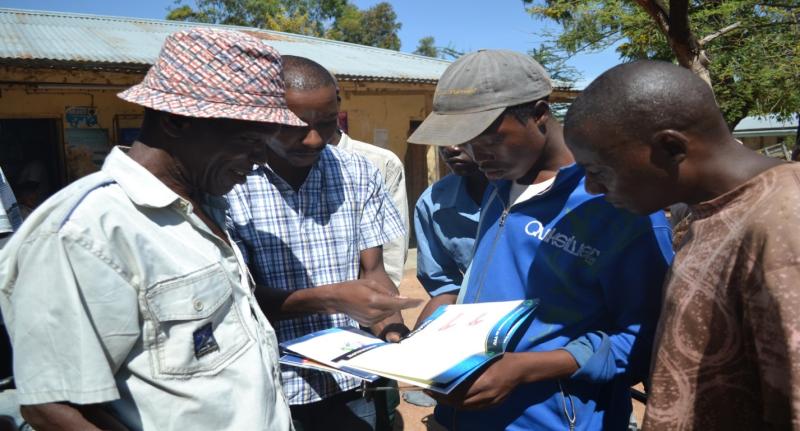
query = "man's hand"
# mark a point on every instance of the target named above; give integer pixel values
(365, 301)
(492, 386)
(489, 388)
(434, 303)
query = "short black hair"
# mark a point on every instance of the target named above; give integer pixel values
(635, 100)
(300, 73)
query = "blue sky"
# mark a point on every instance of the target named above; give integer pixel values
(467, 25)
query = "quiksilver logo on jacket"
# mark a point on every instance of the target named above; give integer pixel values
(562, 241)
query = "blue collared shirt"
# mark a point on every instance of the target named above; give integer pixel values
(312, 237)
(446, 223)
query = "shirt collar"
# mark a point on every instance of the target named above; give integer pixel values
(141, 186)
(345, 142)
(314, 181)
(567, 176)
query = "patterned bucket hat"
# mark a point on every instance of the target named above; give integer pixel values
(210, 73)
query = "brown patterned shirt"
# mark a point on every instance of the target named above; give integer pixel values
(728, 343)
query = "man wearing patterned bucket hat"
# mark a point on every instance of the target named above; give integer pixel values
(127, 303)
(596, 270)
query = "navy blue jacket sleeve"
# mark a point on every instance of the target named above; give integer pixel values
(632, 288)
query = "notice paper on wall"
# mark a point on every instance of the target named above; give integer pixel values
(380, 138)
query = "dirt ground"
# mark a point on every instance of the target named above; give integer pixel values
(414, 418)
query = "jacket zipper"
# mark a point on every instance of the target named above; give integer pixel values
(501, 226)
(571, 419)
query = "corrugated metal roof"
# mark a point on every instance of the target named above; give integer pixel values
(768, 122)
(74, 40)
(768, 125)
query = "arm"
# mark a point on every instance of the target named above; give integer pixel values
(392, 327)
(631, 284)
(437, 271)
(434, 303)
(770, 310)
(396, 250)
(493, 385)
(365, 300)
(93, 326)
(66, 417)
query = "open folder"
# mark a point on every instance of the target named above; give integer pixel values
(448, 347)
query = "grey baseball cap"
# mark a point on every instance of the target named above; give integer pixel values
(475, 90)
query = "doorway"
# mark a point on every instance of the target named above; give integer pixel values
(31, 158)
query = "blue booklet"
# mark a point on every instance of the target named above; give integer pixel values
(446, 349)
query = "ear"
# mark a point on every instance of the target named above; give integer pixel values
(541, 112)
(174, 126)
(669, 147)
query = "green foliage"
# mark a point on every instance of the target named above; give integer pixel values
(376, 26)
(754, 67)
(555, 64)
(427, 47)
(334, 19)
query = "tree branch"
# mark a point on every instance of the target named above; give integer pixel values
(679, 22)
(657, 12)
(727, 29)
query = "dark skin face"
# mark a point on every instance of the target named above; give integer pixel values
(511, 149)
(219, 153)
(638, 176)
(459, 160)
(300, 147)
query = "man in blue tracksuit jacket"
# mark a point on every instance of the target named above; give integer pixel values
(596, 270)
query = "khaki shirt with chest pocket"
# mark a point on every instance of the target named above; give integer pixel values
(115, 292)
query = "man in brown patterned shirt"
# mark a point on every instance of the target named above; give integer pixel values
(650, 134)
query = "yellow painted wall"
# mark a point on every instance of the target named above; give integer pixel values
(388, 106)
(46, 93)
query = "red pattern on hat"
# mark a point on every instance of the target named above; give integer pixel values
(211, 73)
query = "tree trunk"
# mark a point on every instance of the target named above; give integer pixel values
(674, 24)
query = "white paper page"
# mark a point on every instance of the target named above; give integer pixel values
(455, 335)
(327, 347)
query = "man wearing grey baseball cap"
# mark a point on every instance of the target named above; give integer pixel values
(596, 270)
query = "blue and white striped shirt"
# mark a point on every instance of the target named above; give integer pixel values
(312, 237)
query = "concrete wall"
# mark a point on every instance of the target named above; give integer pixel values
(390, 106)
(46, 93)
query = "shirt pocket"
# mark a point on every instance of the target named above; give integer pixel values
(197, 328)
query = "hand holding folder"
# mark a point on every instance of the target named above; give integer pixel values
(445, 350)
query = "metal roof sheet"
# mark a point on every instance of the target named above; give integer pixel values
(768, 123)
(40, 37)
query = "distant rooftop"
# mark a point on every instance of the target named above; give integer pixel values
(56, 39)
(768, 125)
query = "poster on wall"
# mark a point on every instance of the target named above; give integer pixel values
(80, 116)
(85, 151)
(127, 128)
(128, 135)
(380, 137)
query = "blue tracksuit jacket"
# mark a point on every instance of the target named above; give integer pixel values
(598, 273)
